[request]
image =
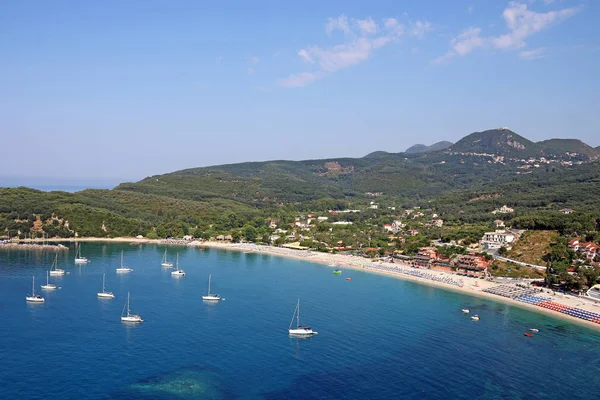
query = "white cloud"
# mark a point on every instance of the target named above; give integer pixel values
(534, 54)
(361, 39)
(521, 23)
(419, 28)
(251, 71)
(366, 26)
(254, 59)
(340, 23)
(546, 2)
(299, 80)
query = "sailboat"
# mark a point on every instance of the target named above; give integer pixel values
(54, 270)
(78, 258)
(48, 285)
(299, 330)
(165, 263)
(211, 296)
(123, 269)
(178, 272)
(104, 294)
(129, 317)
(34, 298)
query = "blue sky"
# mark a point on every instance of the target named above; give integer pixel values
(117, 90)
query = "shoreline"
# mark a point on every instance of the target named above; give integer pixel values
(471, 286)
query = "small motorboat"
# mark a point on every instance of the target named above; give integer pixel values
(337, 271)
(475, 317)
(529, 334)
(534, 330)
(348, 279)
(465, 310)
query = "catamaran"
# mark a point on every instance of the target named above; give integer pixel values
(129, 317)
(165, 263)
(54, 270)
(34, 298)
(104, 294)
(78, 258)
(123, 269)
(177, 272)
(299, 330)
(211, 296)
(48, 285)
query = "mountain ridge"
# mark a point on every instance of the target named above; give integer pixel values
(421, 148)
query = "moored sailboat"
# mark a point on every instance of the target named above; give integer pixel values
(129, 317)
(123, 269)
(79, 259)
(54, 270)
(299, 330)
(211, 296)
(48, 285)
(104, 294)
(34, 298)
(177, 272)
(166, 263)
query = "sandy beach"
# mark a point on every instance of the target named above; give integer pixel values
(469, 286)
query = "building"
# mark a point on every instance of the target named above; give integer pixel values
(497, 239)
(437, 223)
(472, 263)
(499, 223)
(503, 210)
(412, 232)
(566, 211)
(429, 252)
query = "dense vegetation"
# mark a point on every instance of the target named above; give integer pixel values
(461, 189)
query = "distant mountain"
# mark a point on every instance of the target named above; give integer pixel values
(597, 149)
(557, 147)
(421, 148)
(503, 142)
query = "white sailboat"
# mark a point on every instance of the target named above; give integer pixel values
(79, 259)
(104, 294)
(165, 263)
(123, 269)
(129, 317)
(178, 272)
(299, 330)
(211, 296)
(34, 298)
(54, 270)
(48, 285)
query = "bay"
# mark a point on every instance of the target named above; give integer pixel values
(379, 337)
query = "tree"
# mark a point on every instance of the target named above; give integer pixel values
(236, 236)
(249, 233)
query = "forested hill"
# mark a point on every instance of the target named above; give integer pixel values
(464, 182)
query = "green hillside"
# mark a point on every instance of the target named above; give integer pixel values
(502, 142)
(421, 148)
(558, 147)
(460, 186)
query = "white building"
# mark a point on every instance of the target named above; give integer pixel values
(497, 239)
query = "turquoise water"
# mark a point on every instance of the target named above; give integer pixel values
(379, 337)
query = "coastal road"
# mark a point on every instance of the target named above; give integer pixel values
(538, 267)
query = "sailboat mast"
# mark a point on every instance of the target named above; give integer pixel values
(121, 258)
(33, 285)
(103, 279)
(128, 304)
(209, 284)
(298, 315)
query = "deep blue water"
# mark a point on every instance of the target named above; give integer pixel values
(379, 337)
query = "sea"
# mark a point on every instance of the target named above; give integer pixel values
(378, 337)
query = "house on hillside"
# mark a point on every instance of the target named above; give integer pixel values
(499, 223)
(566, 211)
(503, 210)
(497, 239)
(574, 244)
(470, 263)
(438, 223)
(412, 232)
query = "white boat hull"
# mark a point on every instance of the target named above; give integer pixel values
(167, 265)
(106, 295)
(34, 299)
(123, 270)
(178, 273)
(49, 287)
(211, 298)
(302, 332)
(81, 261)
(57, 272)
(132, 318)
